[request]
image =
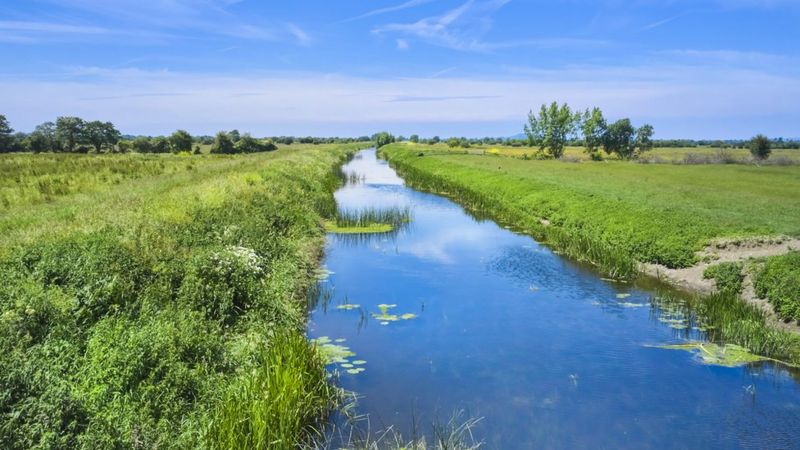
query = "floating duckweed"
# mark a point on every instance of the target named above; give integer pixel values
(359, 362)
(347, 365)
(340, 340)
(355, 371)
(728, 355)
(332, 353)
(408, 316)
(348, 307)
(384, 323)
(385, 308)
(620, 296)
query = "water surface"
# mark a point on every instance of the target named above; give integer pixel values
(546, 352)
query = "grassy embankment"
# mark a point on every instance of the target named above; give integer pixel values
(617, 214)
(158, 300)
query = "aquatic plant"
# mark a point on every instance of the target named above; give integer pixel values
(728, 355)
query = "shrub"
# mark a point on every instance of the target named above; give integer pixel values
(779, 281)
(760, 147)
(727, 277)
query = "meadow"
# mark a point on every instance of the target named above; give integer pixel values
(158, 301)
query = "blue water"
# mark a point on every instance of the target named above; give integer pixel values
(540, 348)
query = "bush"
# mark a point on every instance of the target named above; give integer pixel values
(727, 276)
(779, 281)
(760, 147)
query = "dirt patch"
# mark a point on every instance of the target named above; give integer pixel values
(731, 250)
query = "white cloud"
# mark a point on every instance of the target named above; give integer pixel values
(402, 44)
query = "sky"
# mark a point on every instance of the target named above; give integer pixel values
(701, 69)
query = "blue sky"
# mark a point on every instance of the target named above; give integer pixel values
(692, 68)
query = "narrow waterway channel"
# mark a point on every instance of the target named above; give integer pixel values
(545, 351)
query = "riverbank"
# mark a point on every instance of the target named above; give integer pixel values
(159, 300)
(620, 215)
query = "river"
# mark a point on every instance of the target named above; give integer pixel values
(543, 350)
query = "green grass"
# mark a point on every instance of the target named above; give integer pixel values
(779, 281)
(332, 227)
(657, 213)
(148, 310)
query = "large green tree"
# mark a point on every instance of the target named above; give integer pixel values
(551, 128)
(70, 132)
(593, 126)
(101, 134)
(181, 141)
(626, 141)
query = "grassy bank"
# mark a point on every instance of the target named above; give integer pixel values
(611, 212)
(616, 214)
(157, 300)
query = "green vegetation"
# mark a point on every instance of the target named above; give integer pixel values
(158, 300)
(614, 213)
(369, 220)
(729, 355)
(779, 281)
(727, 276)
(760, 147)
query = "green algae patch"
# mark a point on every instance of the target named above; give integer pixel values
(728, 355)
(332, 353)
(385, 318)
(331, 227)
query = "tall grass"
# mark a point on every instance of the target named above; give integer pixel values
(282, 399)
(395, 216)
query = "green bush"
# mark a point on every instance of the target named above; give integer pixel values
(727, 276)
(779, 281)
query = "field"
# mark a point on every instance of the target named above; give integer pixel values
(670, 155)
(157, 301)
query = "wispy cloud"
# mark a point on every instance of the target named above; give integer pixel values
(389, 9)
(464, 27)
(46, 27)
(661, 22)
(302, 37)
(440, 98)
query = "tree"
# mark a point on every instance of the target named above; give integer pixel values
(222, 144)
(235, 136)
(142, 145)
(382, 138)
(70, 132)
(760, 147)
(593, 126)
(100, 134)
(435, 140)
(181, 141)
(644, 139)
(453, 142)
(45, 135)
(414, 138)
(6, 138)
(619, 139)
(160, 144)
(552, 128)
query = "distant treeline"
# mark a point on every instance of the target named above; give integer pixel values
(76, 135)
